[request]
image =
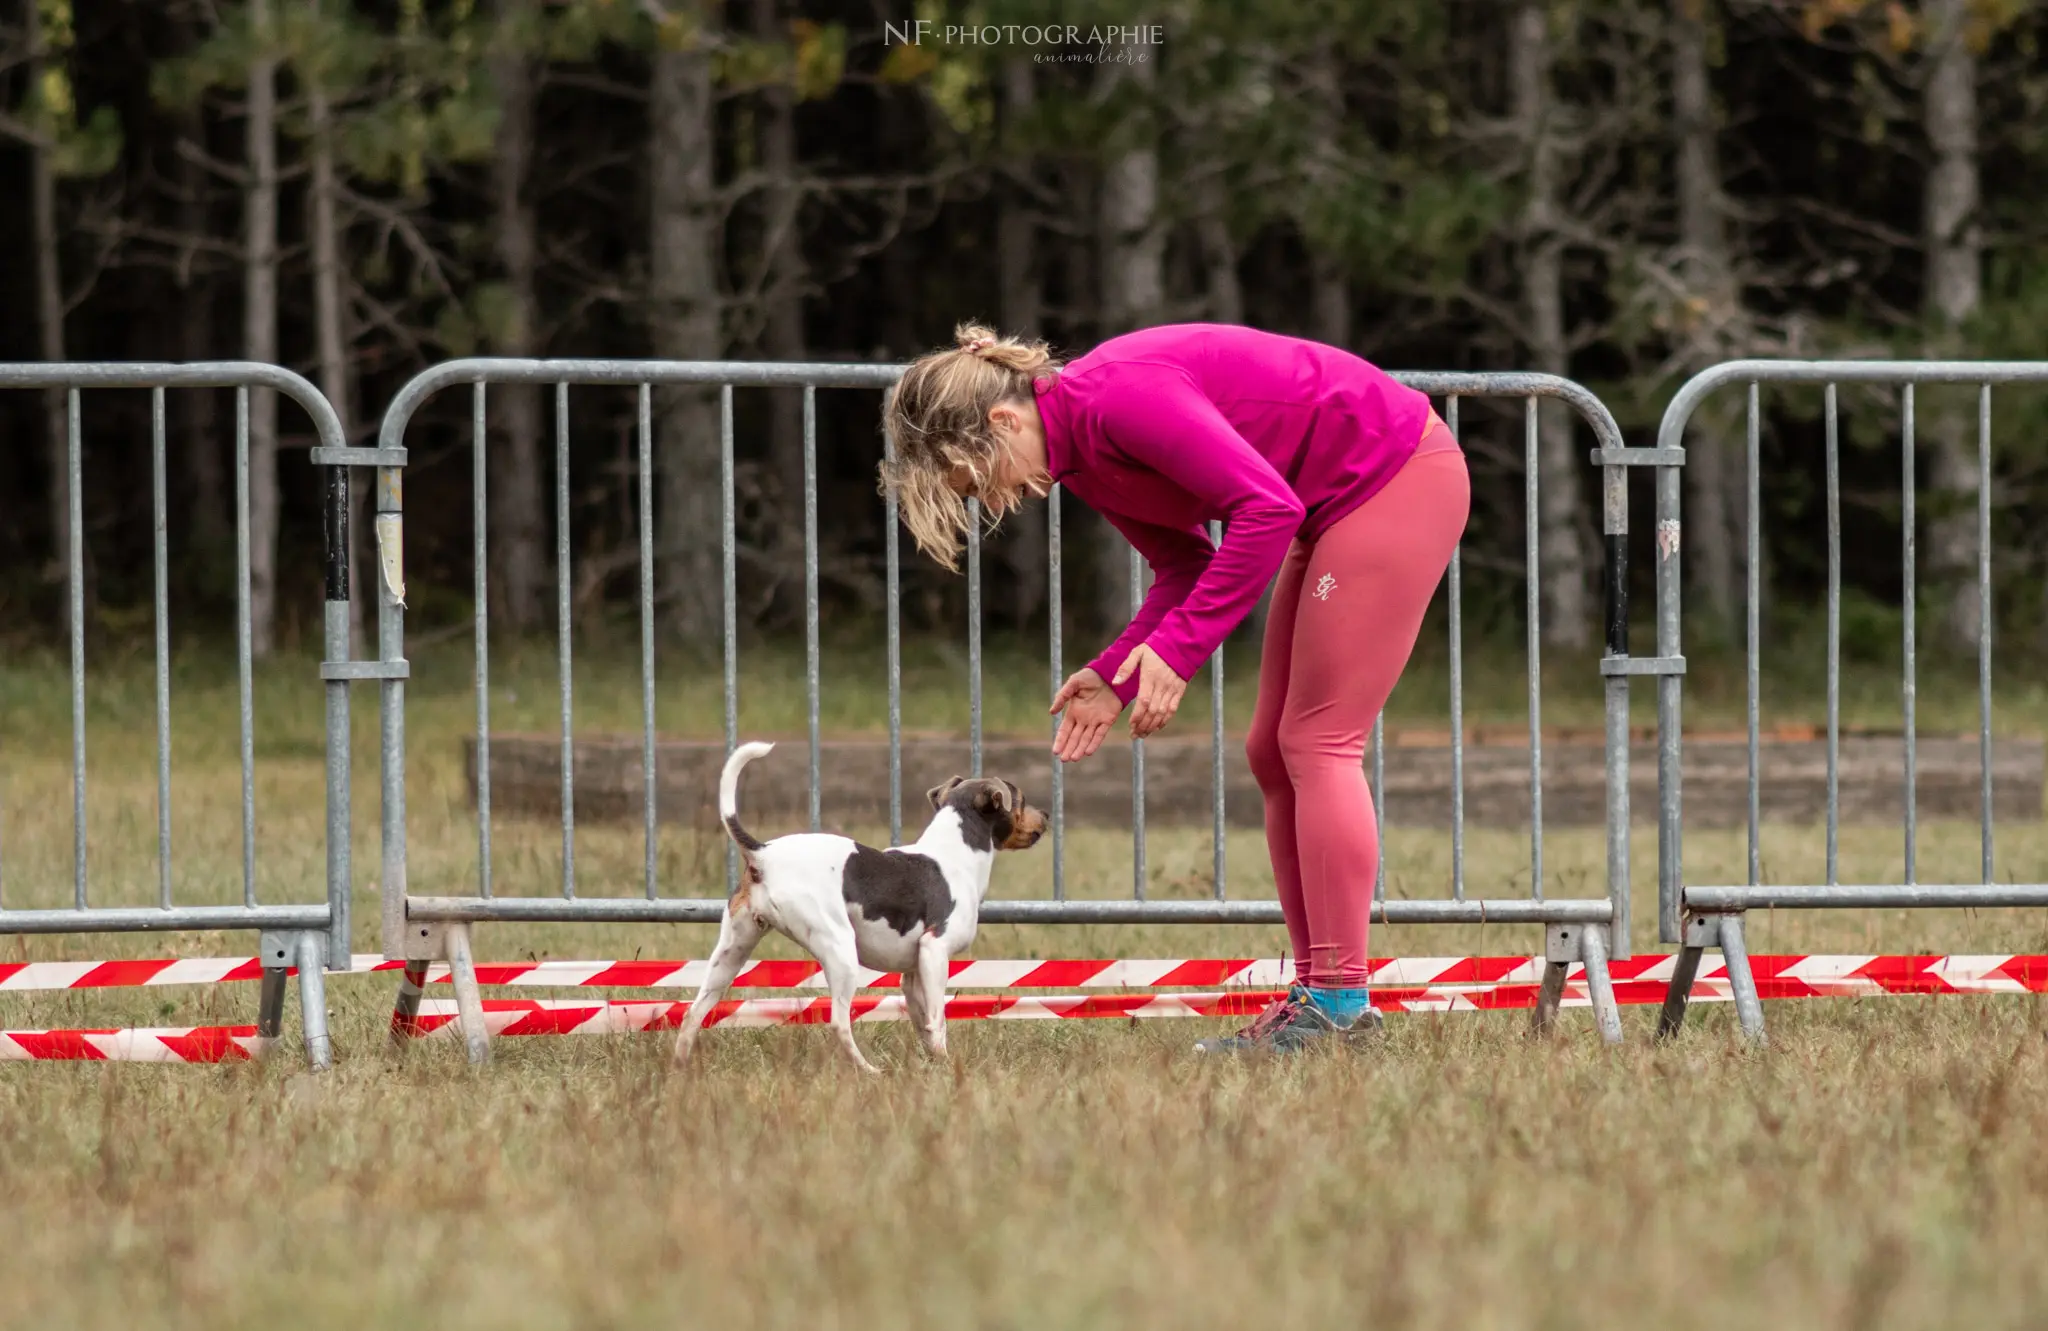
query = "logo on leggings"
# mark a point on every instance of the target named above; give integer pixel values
(1325, 587)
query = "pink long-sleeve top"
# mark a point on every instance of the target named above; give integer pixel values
(1166, 429)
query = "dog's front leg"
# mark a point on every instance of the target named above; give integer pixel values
(932, 970)
(841, 963)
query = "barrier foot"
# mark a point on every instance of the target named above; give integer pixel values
(1678, 997)
(270, 1007)
(469, 1000)
(1599, 986)
(313, 1000)
(405, 1007)
(1548, 997)
(1749, 1010)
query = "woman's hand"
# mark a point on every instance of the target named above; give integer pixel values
(1159, 691)
(1086, 708)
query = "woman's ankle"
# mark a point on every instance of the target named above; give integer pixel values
(1342, 1004)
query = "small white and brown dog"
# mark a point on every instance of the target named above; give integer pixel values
(910, 909)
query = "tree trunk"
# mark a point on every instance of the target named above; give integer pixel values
(1024, 548)
(331, 336)
(50, 320)
(1329, 301)
(783, 268)
(1223, 292)
(199, 449)
(259, 324)
(683, 247)
(518, 504)
(1567, 620)
(1016, 223)
(1329, 292)
(1955, 258)
(1717, 452)
(1134, 296)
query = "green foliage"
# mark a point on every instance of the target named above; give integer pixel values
(78, 150)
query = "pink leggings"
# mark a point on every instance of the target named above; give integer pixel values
(1331, 659)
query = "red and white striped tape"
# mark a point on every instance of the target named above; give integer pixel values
(1642, 981)
(216, 1044)
(179, 1044)
(1791, 975)
(140, 972)
(529, 1016)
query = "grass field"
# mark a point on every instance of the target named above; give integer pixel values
(1883, 1164)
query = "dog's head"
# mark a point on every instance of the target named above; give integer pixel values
(993, 805)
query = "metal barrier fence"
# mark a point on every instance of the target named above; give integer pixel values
(309, 936)
(1698, 917)
(436, 927)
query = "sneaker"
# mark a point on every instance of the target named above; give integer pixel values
(1309, 1025)
(1258, 1034)
(1361, 1022)
(1293, 1024)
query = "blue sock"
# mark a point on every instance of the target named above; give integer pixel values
(1342, 1006)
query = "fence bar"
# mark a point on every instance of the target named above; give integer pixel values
(1054, 617)
(811, 594)
(648, 808)
(1908, 684)
(390, 523)
(1615, 708)
(480, 524)
(895, 646)
(1216, 741)
(1834, 813)
(1754, 646)
(155, 919)
(160, 557)
(1457, 594)
(563, 647)
(729, 553)
(1531, 525)
(1984, 614)
(1670, 772)
(676, 910)
(244, 668)
(75, 587)
(338, 645)
(1749, 1011)
(1137, 753)
(973, 636)
(1865, 896)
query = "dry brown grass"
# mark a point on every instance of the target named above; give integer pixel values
(1883, 1164)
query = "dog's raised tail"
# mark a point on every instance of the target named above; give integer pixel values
(729, 794)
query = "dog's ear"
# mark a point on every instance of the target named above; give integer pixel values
(996, 793)
(937, 794)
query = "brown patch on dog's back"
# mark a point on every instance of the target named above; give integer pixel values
(750, 878)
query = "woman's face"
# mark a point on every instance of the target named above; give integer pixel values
(1018, 467)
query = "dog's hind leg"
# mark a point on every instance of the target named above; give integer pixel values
(842, 974)
(738, 934)
(932, 970)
